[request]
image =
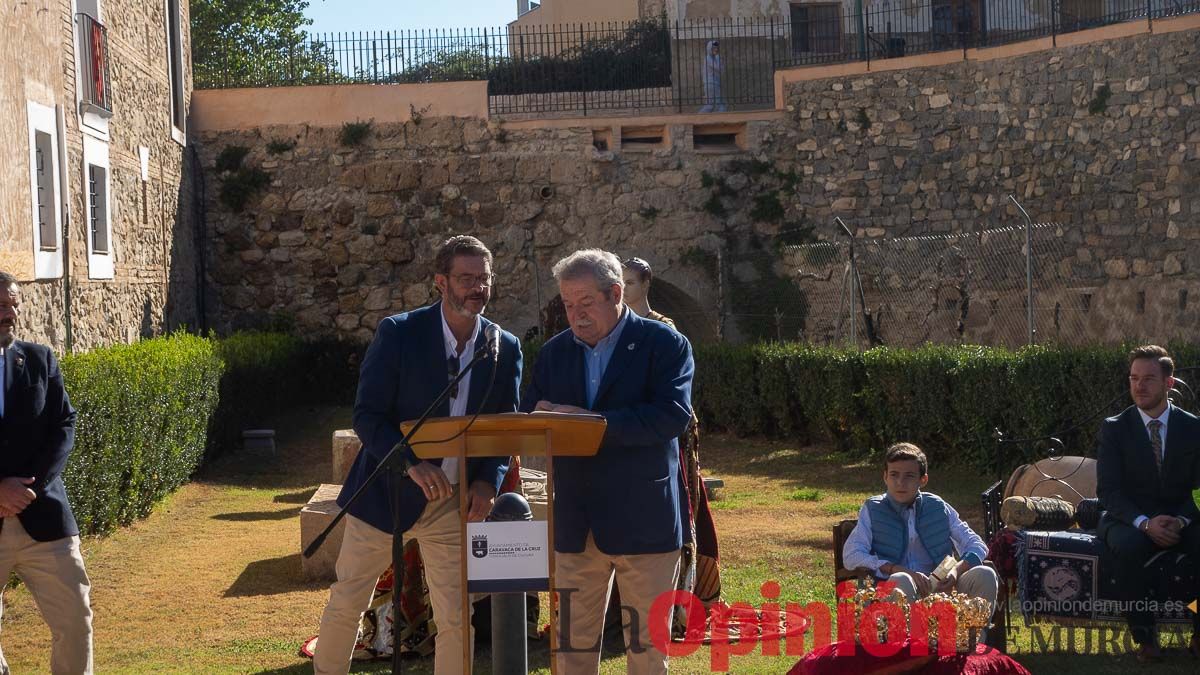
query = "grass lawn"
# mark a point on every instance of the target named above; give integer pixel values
(210, 582)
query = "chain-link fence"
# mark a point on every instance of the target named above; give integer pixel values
(967, 288)
(970, 287)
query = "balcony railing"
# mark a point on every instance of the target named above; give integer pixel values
(93, 65)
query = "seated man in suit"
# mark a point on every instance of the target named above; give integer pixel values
(1146, 468)
(624, 509)
(413, 357)
(39, 539)
(905, 533)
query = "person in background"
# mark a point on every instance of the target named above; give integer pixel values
(699, 568)
(1147, 464)
(711, 73)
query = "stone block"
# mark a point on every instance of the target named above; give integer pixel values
(314, 518)
(345, 448)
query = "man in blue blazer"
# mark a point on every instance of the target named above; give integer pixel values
(1147, 465)
(621, 511)
(39, 539)
(412, 358)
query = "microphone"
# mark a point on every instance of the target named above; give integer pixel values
(492, 333)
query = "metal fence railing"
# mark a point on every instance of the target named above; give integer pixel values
(655, 63)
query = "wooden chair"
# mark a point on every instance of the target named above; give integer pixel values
(859, 575)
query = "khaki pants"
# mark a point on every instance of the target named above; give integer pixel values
(366, 553)
(584, 581)
(53, 571)
(978, 582)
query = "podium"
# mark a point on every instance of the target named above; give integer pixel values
(529, 435)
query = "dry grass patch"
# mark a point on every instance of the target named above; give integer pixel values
(210, 582)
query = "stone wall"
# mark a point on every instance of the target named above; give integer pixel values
(343, 235)
(154, 278)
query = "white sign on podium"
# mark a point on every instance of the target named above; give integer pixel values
(507, 557)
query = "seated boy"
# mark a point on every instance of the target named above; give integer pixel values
(903, 535)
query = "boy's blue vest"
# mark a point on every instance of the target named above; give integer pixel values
(889, 531)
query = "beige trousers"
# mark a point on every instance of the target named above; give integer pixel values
(584, 582)
(53, 571)
(366, 553)
(978, 582)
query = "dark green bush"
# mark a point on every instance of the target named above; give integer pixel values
(947, 399)
(269, 372)
(151, 412)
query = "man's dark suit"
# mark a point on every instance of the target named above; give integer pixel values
(37, 433)
(403, 372)
(1130, 485)
(629, 495)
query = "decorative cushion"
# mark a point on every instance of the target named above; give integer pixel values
(1065, 575)
(1039, 513)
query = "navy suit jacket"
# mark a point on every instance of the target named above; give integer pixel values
(403, 372)
(629, 494)
(1127, 480)
(37, 433)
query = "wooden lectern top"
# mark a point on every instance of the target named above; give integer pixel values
(507, 434)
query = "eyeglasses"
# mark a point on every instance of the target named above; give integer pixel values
(473, 280)
(452, 370)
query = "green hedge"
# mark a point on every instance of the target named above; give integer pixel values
(151, 412)
(947, 399)
(142, 429)
(269, 372)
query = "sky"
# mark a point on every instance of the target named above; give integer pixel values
(364, 15)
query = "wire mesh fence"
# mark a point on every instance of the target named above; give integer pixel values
(968, 288)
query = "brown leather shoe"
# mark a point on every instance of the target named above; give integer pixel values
(1149, 653)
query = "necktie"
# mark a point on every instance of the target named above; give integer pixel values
(1155, 428)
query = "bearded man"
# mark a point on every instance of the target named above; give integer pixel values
(412, 358)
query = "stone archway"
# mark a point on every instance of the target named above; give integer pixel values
(689, 316)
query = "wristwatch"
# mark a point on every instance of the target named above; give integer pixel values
(1145, 526)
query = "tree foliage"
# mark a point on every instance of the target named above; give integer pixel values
(239, 43)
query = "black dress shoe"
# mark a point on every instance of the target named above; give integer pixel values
(1149, 653)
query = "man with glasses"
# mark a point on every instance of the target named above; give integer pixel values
(413, 357)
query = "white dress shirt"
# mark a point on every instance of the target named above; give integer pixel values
(857, 551)
(458, 404)
(1146, 420)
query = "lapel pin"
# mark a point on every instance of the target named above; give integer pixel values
(631, 346)
(19, 361)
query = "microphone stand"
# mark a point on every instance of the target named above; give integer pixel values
(397, 463)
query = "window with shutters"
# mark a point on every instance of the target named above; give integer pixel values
(98, 208)
(45, 192)
(175, 71)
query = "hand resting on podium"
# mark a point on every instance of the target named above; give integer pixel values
(547, 406)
